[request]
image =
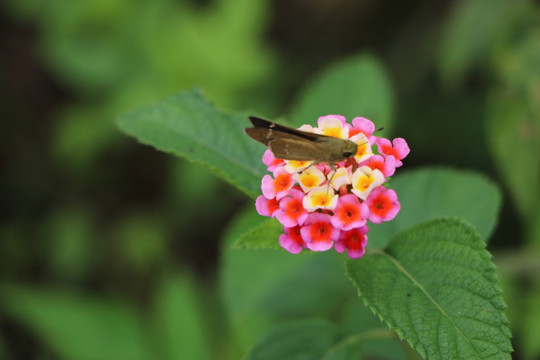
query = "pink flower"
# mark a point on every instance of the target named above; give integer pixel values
(398, 148)
(333, 125)
(364, 126)
(383, 205)
(318, 232)
(291, 211)
(349, 213)
(292, 240)
(387, 166)
(278, 186)
(338, 120)
(266, 207)
(270, 161)
(354, 241)
(364, 180)
(322, 197)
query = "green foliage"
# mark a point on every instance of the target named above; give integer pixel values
(179, 320)
(68, 243)
(308, 339)
(111, 55)
(461, 46)
(322, 339)
(512, 125)
(77, 326)
(436, 287)
(368, 335)
(142, 239)
(265, 287)
(513, 121)
(262, 236)
(430, 193)
(531, 328)
(95, 45)
(188, 126)
(358, 86)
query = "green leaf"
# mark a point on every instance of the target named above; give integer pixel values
(300, 340)
(263, 236)
(265, 286)
(77, 326)
(320, 339)
(517, 59)
(141, 238)
(431, 193)
(514, 137)
(470, 33)
(531, 328)
(358, 86)
(368, 334)
(435, 286)
(187, 125)
(69, 235)
(178, 320)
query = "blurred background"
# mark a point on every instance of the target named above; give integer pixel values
(114, 237)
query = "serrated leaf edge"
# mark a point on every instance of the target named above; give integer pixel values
(398, 331)
(416, 283)
(218, 172)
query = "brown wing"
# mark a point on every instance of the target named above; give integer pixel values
(265, 124)
(291, 144)
(295, 149)
(261, 135)
(273, 127)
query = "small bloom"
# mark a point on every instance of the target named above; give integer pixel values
(363, 150)
(295, 166)
(364, 126)
(349, 213)
(322, 197)
(383, 205)
(354, 241)
(270, 161)
(266, 207)
(292, 240)
(364, 179)
(398, 148)
(278, 186)
(341, 176)
(385, 165)
(333, 125)
(291, 211)
(318, 232)
(309, 178)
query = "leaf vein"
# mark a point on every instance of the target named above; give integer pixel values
(421, 287)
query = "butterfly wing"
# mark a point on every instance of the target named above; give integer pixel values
(297, 149)
(291, 144)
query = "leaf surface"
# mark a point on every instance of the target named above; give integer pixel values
(435, 286)
(358, 86)
(429, 193)
(189, 126)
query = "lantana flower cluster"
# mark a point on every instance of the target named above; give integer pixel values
(322, 206)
